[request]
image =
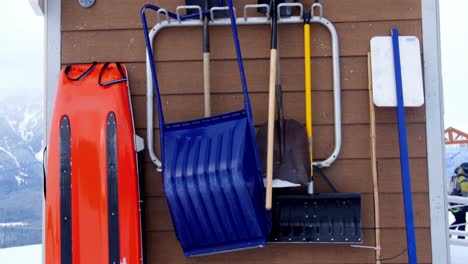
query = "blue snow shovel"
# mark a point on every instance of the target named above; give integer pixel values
(211, 173)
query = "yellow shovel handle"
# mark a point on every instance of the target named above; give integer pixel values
(308, 86)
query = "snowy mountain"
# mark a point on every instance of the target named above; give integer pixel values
(21, 140)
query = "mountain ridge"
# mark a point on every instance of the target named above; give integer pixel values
(21, 173)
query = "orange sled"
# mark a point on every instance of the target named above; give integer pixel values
(92, 183)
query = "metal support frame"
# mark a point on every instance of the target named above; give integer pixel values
(435, 131)
(52, 40)
(170, 22)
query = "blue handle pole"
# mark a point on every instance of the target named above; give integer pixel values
(149, 49)
(239, 58)
(404, 158)
(240, 63)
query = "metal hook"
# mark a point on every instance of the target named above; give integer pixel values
(251, 6)
(164, 11)
(312, 10)
(188, 7)
(219, 8)
(301, 8)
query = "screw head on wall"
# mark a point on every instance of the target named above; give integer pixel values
(87, 3)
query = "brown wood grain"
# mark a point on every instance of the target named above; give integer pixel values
(389, 175)
(355, 143)
(225, 75)
(119, 14)
(391, 204)
(347, 175)
(392, 210)
(354, 108)
(172, 45)
(394, 242)
(163, 247)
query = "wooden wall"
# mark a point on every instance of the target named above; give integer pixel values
(111, 31)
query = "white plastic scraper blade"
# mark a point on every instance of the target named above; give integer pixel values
(383, 73)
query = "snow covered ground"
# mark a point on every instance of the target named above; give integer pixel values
(21, 255)
(458, 254)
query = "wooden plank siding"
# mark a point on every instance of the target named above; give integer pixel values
(111, 31)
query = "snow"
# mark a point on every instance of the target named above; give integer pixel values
(24, 126)
(12, 124)
(19, 180)
(12, 224)
(21, 255)
(458, 254)
(277, 183)
(11, 155)
(39, 155)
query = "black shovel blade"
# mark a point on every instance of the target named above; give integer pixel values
(211, 3)
(285, 12)
(320, 218)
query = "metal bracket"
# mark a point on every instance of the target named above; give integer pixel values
(285, 5)
(246, 20)
(218, 8)
(312, 10)
(256, 6)
(189, 7)
(165, 12)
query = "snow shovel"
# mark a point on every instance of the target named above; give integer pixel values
(285, 156)
(216, 211)
(308, 218)
(207, 5)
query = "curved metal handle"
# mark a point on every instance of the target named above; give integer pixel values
(284, 5)
(316, 6)
(189, 7)
(165, 12)
(336, 91)
(218, 8)
(255, 6)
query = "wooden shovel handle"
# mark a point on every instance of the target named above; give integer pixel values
(375, 180)
(206, 83)
(271, 128)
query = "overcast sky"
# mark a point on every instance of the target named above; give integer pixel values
(454, 34)
(22, 49)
